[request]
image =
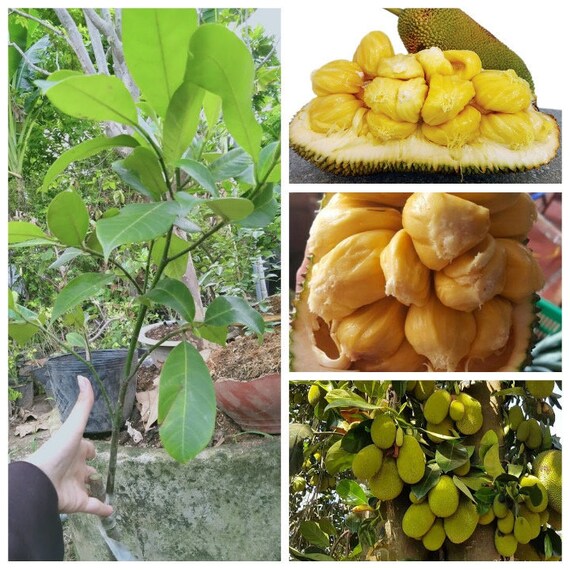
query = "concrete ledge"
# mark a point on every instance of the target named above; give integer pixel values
(223, 505)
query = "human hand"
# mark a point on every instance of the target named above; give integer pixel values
(63, 458)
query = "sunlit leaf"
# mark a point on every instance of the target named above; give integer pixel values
(228, 310)
(199, 173)
(174, 294)
(68, 218)
(26, 233)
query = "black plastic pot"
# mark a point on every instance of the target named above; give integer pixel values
(109, 364)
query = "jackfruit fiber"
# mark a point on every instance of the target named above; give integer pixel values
(411, 460)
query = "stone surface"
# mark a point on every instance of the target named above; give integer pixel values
(303, 172)
(222, 505)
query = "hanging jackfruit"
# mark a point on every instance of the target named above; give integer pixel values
(420, 286)
(445, 106)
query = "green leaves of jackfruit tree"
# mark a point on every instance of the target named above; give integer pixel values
(68, 218)
(228, 310)
(186, 403)
(174, 294)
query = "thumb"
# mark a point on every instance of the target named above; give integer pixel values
(79, 415)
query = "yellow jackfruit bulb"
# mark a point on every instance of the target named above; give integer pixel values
(393, 199)
(523, 273)
(547, 466)
(435, 537)
(502, 91)
(493, 201)
(462, 523)
(507, 523)
(456, 410)
(336, 222)
(385, 129)
(458, 131)
(443, 498)
(349, 276)
(436, 407)
(400, 100)
(367, 462)
(373, 47)
(443, 226)
(400, 66)
(539, 388)
(472, 278)
(440, 333)
(338, 76)
(383, 431)
(515, 417)
(417, 520)
(410, 98)
(466, 63)
(331, 113)
(493, 321)
(447, 97)
(505, 544)
(541, 125)
(406, 277)
(405, 359)
(536, 506)
(472, 419)
(411, 460)
(373, 331)
(434, 61)
(516, 221)
(513, 130)
(386, 485)
(445, 428)
(522, 530)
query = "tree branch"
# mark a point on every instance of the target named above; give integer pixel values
(97, 45)
(25, 57)
(43, 23)
(75, 40)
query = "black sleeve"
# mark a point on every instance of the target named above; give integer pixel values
(34, 526)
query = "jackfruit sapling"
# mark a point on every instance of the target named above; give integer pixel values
(436, 407)
(383, 431)
(367, 462)
(386, 485)
(434, 538)
(411, 460)
(417, 520)
(462, 523)
(443, 498)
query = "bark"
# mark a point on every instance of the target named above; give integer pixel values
(75, 40)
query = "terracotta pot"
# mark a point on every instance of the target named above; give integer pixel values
(253, 404)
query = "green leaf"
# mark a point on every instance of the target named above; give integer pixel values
(199, 173)
(93, 97)
(351, 492)
(463, 488)
(177, 268)
(83, 287)
(492, 462)
(489, 439)
(313, 533)
(174, 294)
(428, 481)
(75, 339)
(217, 335)
(155, 43)
(186, 403)
(266, 208)
(68, 255)
(339, 398)
(136, 223)
(84, 150)
(221, 63)
(230, 165)
(68, 218)
(450, 455)
(337, 459)
(22, 333)
(141, 171)
(22, 232)
(181, 121)
(229, 310)
(357, 438)
(187, 202)
(268, 166)
(233, 209)
(212, 108)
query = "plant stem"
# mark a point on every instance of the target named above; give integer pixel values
(117, 265)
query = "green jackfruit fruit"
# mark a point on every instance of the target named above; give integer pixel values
(506, 544)
(437, 406)
(383, 431)
(367, 462)
(315, 395)
(462, 523)
(547, 466)
(534, 439)
(500, 507)
(444, 428)
(507, 523)
(464, 469)
(516, 416)
(456, 410)
(533, 520)
(523, 430)
(399, 437)
(443, 498)
(453, 29)
(487, 518)
(539, 388)
(529, 481)
(472, 419)
(417, 520)
(386, 485)
(414, 499)
(435, 537)
(411, 461)
(423, 389)
(522, 530)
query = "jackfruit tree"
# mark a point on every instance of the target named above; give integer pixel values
(425, 470)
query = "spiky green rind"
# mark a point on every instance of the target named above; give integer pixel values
(346, 154)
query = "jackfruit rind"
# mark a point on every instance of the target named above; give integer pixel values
(367, 462)
(386, 485)
(539, 388)
(435, 537)
(530, 481)
(383, 431)
(411, 460)
(506, 544)
(462, 523)
(547, 466)
(472, 419)
(456, 410)
(443, 498)
(417, 520)
(436, 407)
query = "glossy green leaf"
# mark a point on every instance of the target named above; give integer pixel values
(136, 223)
(492, 461)
(68, 218)
(141, 170)
(450, 455)
(217, 335)
(181, 121)
(155, 43)
(68, 255)
(22, 232)
(187, 202)
(83, 287)
(340, 398)
(428, 481)
(93, 97)
(221, 63)
(266, 208)
(174, 294)
(351, 492)
(176, 268)
(229, 310)
(85, 150)
(199, 173)
(22, 333)
(313, 534)
(463, 488)
(186, 403)
(212, 105)
(268, 166)
(230, 165)
(337, 459)
(233, 209)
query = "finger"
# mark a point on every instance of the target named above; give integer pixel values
(89, 470)
(88, 449)
(96, 507)
(75, 424)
